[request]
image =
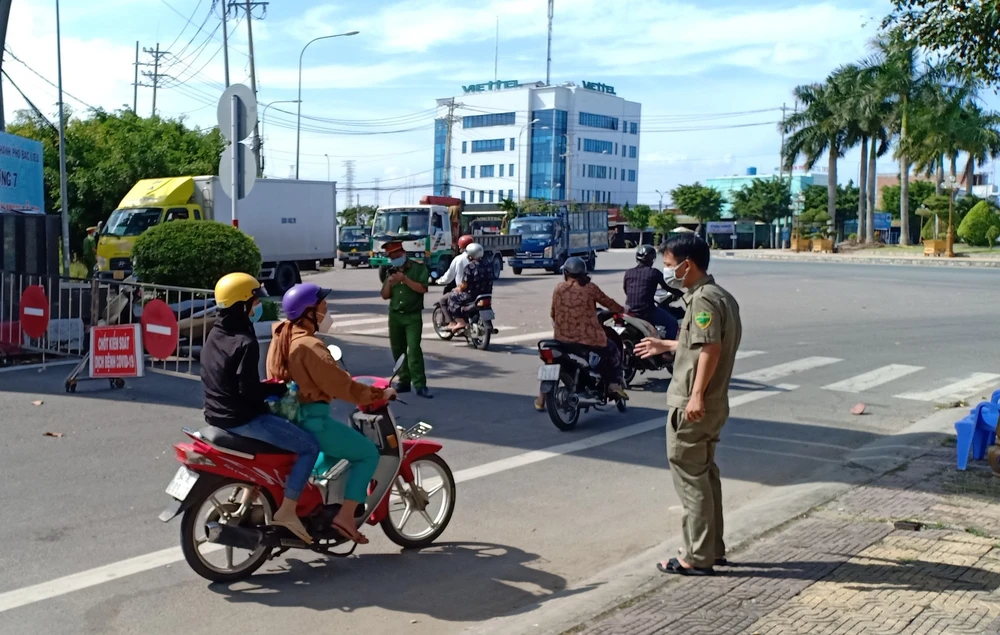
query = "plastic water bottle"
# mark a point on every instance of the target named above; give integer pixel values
(289, 406)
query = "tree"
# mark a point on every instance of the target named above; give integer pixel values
(509, 209)
(107, 153)
(964, 29)
(358, 215)
(193, 254)
(764, 200)
(699, 201)
(663, 223)
(638, 217)
(977, 223)
(918, 193)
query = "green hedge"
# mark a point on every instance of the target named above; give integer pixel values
(977, 223)
(190, 253)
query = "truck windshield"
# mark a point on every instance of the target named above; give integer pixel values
(131, 222)
(531, 227)
(402, 222)
(354, 235)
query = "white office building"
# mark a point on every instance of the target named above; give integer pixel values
(562, 143)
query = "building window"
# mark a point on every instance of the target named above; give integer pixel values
(546, 175)
(631, 176)
(601, 147)
(482, 195)
(440, 138)
(502, 166)
(623, 175)
(464, 146)
(510, 194)
(616, 149)
(463, 196)
(583, 169)
(598, 121)
(512, 144)
(491, 196)
(463, 171)
(472, 172)
(488, 145)
(633, 128)
(597, 171)
(511, 171)
(616, 174)
(486, 171)
(485, 121)
(632, 152)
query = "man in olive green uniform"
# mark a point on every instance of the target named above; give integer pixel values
(405, 288)
(88, 256)
(697, 400)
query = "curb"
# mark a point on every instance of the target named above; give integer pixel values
(605, 592)
(966, 263)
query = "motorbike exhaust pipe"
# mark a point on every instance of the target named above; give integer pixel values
(233, 536)
(584, 401)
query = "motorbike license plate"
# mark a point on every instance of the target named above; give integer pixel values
(486, 314)
(182, 483)
(618, 329)
(548, 372)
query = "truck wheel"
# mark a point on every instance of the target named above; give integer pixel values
(286, 276)
(497, 266)
(515, 270)
(592, 261)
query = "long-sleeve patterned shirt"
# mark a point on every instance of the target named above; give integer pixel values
(574, 313)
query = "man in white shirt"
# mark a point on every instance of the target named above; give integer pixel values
(456, 274)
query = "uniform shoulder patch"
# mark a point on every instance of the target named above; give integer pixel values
(703, 319)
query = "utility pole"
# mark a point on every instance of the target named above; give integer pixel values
(548, 58)
(249, 6)
(446, 189)
(376, 190)
(135, 81)
(154, 76)
(781, 173)
(4, 15)
(225, 39)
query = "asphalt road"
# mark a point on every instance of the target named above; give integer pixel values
(81, 509)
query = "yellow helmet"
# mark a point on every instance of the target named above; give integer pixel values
(236, 287)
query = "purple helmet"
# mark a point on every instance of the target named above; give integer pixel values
(301, 298)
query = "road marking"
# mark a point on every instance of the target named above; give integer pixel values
(958, 390)
(786, 440)
(93, 577)
(384, 330)
(771, 373)
(776, 453)
(370, 320)
(746, 354)
(871, 379)
(513, 339)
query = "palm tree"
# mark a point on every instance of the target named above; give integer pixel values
(979, 137)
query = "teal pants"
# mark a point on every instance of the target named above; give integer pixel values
(338, 441)
(405, 331)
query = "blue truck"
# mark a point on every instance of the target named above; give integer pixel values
(549, 238)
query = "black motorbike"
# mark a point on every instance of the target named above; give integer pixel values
(632, 331)
(478, 314)
(571, 380)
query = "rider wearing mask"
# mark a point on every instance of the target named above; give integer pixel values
(574, 320)
(298, 355)
(235, 396)
(455, 273)
(477, 281)
(641, 283)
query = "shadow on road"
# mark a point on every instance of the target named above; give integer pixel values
(454, 582)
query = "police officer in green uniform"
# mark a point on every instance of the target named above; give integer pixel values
(404, 288)
(697, 400)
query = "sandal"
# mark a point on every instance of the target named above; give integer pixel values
(350, 533)
(674, 566)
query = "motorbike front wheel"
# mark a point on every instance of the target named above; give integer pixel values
(559, 405)
(441, 324)
(432, 480)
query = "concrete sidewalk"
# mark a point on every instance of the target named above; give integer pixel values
(864, 258)
(846, 569)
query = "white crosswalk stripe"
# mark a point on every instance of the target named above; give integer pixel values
(960, 389)
(873, 378)
(771, 373)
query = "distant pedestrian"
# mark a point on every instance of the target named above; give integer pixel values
(404, 288)
(88, 255)
(697, 401)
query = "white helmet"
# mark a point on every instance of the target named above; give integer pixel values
(474, 251)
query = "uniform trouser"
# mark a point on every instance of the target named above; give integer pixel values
(339, 441)
(691, 452)
(405, 331)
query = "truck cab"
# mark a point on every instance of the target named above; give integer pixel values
(542, 242)
(150, 202)
(354, 246)
(424, 230)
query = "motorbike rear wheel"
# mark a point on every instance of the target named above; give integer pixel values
(416, 497)
(441, 324)
(630, 363)
(480, 334)
(220, 510)
(561, 413)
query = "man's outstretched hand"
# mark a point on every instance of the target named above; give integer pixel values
(651, 347)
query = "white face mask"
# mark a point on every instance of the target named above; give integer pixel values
(326, 325)
(673, 280)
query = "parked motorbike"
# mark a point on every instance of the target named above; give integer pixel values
(478, 314)
(228, 488)
(633, 330)
(571, 380)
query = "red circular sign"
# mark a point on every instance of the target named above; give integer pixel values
(34, 311)
(159, 329)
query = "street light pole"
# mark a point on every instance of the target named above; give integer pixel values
(263, 117)
(951, 216)
(520, 164)
(327, 166)
(298, 118)
(661, 199)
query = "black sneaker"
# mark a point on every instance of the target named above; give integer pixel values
(423, 392)
(401, 387)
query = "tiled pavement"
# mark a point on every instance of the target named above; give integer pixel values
(846, 570)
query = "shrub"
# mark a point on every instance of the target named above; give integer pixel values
(271, 311)
(977, 223)
(852, 237)
(992, 234)
(193, 254)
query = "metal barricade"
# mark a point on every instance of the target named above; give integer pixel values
(69, 309)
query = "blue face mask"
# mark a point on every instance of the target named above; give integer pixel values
(398, 262)
(257, 313)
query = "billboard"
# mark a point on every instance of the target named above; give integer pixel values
(21, 183)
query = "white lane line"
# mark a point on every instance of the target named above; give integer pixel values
(958, 390)
(746, 354)
(871, 379)
(370, 320)
(93, 577)
(513, 339)
(771, 373)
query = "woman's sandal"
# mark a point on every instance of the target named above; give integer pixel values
(350, 533)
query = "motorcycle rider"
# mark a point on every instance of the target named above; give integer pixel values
(235, 396)
(455, 273)
(298, 355)
(574, 320)
(641, 283)
(476, 281)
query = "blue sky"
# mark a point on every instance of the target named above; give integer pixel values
(692, 65)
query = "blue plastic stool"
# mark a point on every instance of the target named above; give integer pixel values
(977, 431)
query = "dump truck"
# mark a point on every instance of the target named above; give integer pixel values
(548, 239)
(293, 223)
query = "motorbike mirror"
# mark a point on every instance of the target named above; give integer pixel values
(336, 352)
(399, 364)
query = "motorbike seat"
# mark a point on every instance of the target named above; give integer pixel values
(226, 439)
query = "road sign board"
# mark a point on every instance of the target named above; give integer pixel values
(159, 329)
(237, 114)
(246, 111)
(248, 173)
(116, 351)
(34, 311)
(720, 227)
(882, 221)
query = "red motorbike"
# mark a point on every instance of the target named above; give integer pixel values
(228, 488)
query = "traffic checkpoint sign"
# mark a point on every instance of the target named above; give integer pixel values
(116, 351)
(34, 312)
(160, 332)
